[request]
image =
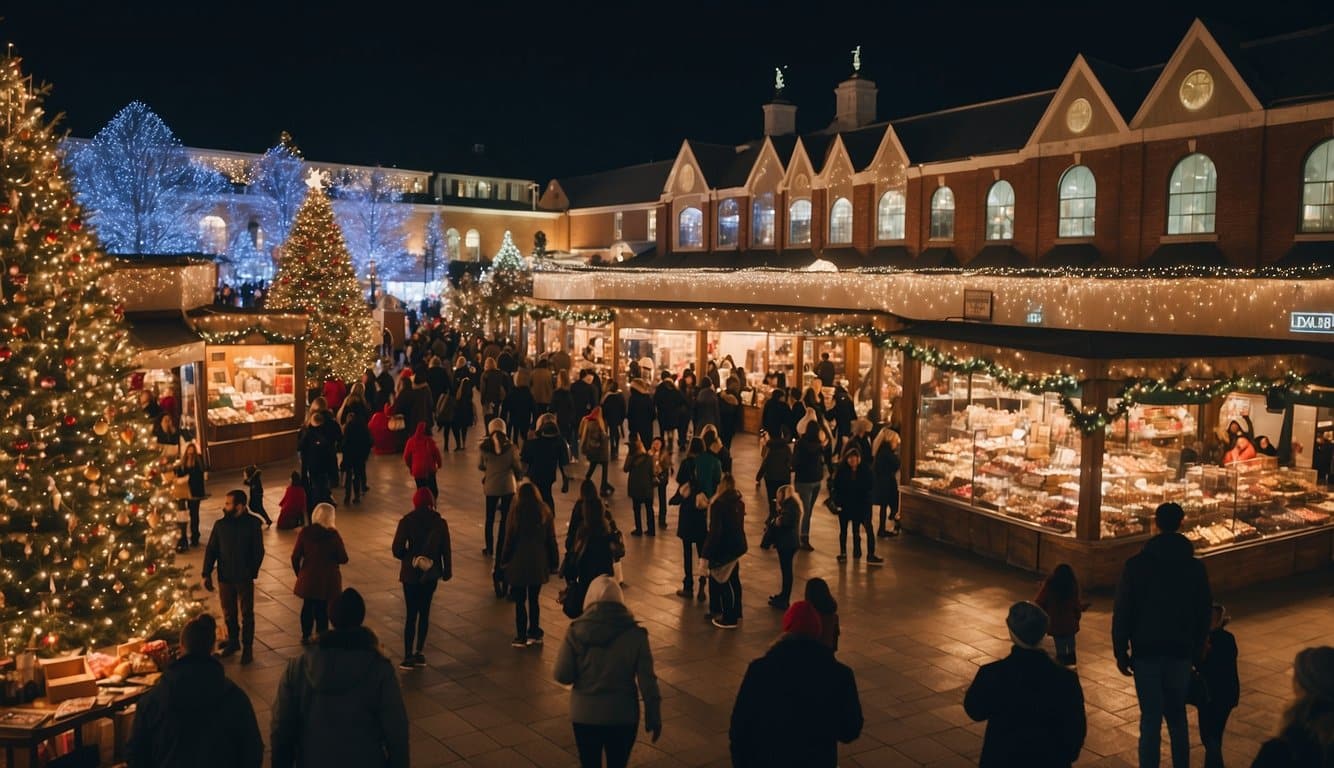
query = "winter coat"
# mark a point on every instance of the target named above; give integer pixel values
(613, 410)
(195, 716)
(421, 454)
(843, 415)
(416, 406)
(1297, 747)
(495, 385)
(339, 704)
(543, 385)
(1163, 604)
(507, 362)
(795, 704)
(583, 397)
(775, 418)
(315, 559)
(292, 508)
(706, 410)
(729, 412)
(560, 360)
(708, 473)
(885, 489)
(726, 540)
(639, 410)
(423, 533)
(723, 456)
(319, 455)
(530, 555)
(334, 392)
(195, 473)
(236, 547)
(776, 466)
(519, 407)
(807, 461)
(351, 405)
(356, 442)
(500, 464)
(1063, 613)
(464, 408)
(544, 456)
(604, 653)
(589, 557)
(599, 451)
(668, 402)
(562, 404)
(785, 526)
(692, 523)
(824, 371)
(1034, 710)
(639, 483)
(1219, 670)
(384, 441)
(439, 381)
(852, 492)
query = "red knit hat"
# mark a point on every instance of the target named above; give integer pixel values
(802, 619)
(423, 499)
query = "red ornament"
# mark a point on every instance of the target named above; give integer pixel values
(75, 258)
(70, 420)
(150, 569)
(5, 354)
(134, 508)
(69, 360)
(20, 445)
(19, 279)
(18, 330)
(75, 225)
(51, 238)
(48, 382)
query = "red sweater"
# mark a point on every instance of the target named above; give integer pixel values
(292, 509)
(1063, 613)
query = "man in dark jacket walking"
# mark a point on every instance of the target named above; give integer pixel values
(1034, 708)
(776, 418)
(236, 549)
(639, 412)
(544, 456)
(671, 407)
(339, 702)
(1159, 624)
(195, 716)
(796, 702)
(706, 408)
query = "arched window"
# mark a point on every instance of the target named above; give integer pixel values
(1318, 189)
(473, 243)
(690, 229)
(942, 214)
(729, 223)
(890, 216)
(799, 223)
(1191, 196)
(840, 222)
(1079, 196)
(452, 243)
(213, 234)
(1000, 211)
(762, 219)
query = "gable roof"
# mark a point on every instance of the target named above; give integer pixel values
(642, 183)
(1292, 68)
(989, 128)
(863, 143)
(715, 163)
(1125, 87)
(818, 146)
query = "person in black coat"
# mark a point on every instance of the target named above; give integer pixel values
(670, 405)
(1033, 707)
(519, 408)
(319, 459)
(796, 703)
(613, 412)
(776, 417)
(544, 455)
(885, 471)
(567, 416)
(639, 411)
(583, 394)
(356, 450)
(1220, 689)
(438, 379)
(852, 496)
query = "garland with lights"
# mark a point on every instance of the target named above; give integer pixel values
(87, 525)
(241, 334)
(1272, 272)
(542, 312)
(1088, 419)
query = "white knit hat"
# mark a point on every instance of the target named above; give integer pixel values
(603, 589)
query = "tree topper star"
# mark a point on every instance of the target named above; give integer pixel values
(316, 179)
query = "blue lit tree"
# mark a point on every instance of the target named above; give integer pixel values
(140, 187)
(433, 249)
(372, 219)
(278, 180)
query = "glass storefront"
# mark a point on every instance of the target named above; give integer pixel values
(657, 351)
(250, 383)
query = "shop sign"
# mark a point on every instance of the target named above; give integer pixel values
(1311, 322)
(977, 305)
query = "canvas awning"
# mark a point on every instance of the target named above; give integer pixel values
(163, 340)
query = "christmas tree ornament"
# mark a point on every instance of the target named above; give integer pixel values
(101, 427)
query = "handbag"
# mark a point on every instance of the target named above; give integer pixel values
(180, 489)
(397, 423)
(617, 546)
(682, 493)
(572, 599)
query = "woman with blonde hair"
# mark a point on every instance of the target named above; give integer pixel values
(596, 445)
(529, 559)
(885, 479)
(318, 552)
(780, 532)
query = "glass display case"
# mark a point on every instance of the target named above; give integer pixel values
(657, 351)
(1249, 500)
(251, 384)
(592, 349)
(744, 349)
(1011, 453)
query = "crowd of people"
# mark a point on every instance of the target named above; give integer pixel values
(249, 293)
(539, 418)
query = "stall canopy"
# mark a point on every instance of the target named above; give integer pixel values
(163, 340)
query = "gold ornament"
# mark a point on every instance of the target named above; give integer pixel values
(101, 428)
(80, 563)
(94, 489)
(91, 472)
(123, 518)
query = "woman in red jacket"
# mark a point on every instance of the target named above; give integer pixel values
(318, 553)
(423, 458)
(384, 441)
(292, 509)
(1060, 598)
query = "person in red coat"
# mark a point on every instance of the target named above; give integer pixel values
(334, 392)
(1060, 598)
(384, 441)
(292, 509)
(423, 458)
(318, 553)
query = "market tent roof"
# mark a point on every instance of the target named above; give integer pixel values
(979, 129)
(163, 340)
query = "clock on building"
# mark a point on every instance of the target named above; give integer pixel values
(1196, 89)
(687, 178)
(1078, 115)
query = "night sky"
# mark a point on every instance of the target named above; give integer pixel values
(562, 88)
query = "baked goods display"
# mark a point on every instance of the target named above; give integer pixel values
(248, 387)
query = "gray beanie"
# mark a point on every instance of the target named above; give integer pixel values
(1027, 623)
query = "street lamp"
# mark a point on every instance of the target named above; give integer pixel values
(372, 267)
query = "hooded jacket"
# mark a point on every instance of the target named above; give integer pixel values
(1034, 711)
(852, 491)
(670, 405)
(416, 406)
(604, 654)
(340, 704)
(639, 411)
(1163, 604)
(544, 455)
(706, 409)
(422, 532)
(315, 559)
(195, 716)
(499, 463)
(795, 704)
(421, 454)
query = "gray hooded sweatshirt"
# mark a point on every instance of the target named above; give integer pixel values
(604, 653)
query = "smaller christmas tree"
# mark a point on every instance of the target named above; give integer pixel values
(509, 257)
(315, 276)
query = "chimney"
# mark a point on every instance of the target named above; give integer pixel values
(854, 104)
(780, 118)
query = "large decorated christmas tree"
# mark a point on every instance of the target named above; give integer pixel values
(315, 276)
(86, 527)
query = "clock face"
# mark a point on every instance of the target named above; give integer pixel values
(687, 178)
(1196, 89)
(1078, 115)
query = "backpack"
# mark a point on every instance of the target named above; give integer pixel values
(444, 409)
(596, 439)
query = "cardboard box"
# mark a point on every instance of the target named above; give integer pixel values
(102, 734)
(67, 678)
(133, 645)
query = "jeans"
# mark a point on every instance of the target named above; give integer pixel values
(857, 526)
(238, 597)
(785, 557)
(592, 465)
(662, 506)
(808, 492)
(615, 740)
(418, 600)
(193, 506)
(1213, 720)
(645, 504)
(257, 507)
(614, 432)
(314, 614)
(527, 613)
(356, 479)
(1161, 686)
(495, 542)
(688, 559)
(430, 484)
(1065, 648)
(893, 513)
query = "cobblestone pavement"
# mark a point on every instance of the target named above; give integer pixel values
(914, 631)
